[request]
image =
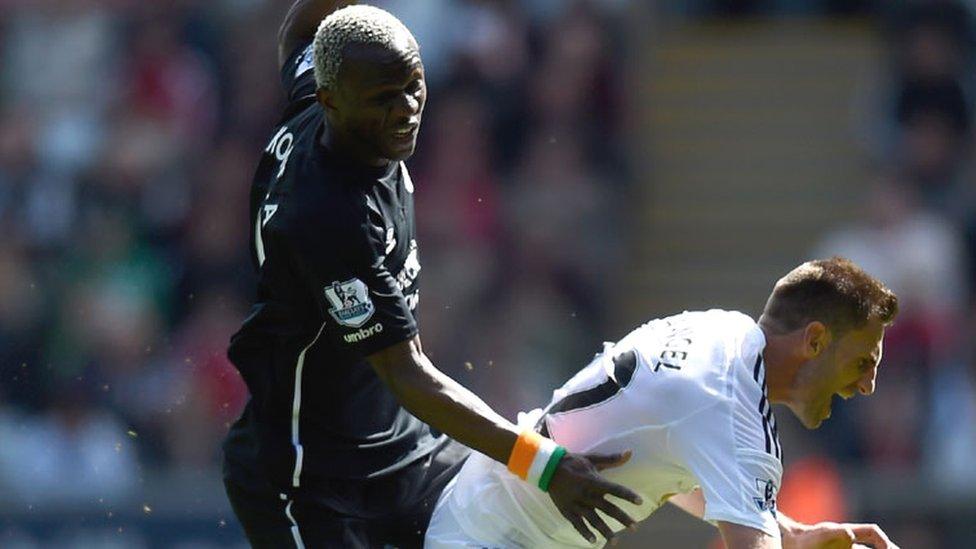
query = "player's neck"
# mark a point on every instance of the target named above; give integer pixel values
(343, 146)
(782, 364)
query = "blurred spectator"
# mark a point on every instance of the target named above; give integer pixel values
(561, 212)
(931, 280)
(934, 122)
(22, 380)
(951, 433)
(75, 454)
(931, 40)
(813, 491)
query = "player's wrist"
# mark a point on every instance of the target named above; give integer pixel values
(793, 533)
(535, 458)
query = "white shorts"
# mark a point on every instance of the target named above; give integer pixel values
(444, 531)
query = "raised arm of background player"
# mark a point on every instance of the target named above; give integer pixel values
(577, 489)
(795, 535)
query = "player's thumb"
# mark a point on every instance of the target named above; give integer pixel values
(607, 461)
(843, 538)
(829, 535)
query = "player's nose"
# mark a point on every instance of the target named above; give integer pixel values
(408, 105)
(867, 383)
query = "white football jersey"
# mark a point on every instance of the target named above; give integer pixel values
(686, 394)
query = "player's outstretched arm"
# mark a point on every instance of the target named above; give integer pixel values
(576, 487)
(301, 22)
(831, 535)
(796, 535)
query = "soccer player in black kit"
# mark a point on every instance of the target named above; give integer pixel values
(333, 448)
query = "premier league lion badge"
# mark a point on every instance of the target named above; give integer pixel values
(768, 500)
(351, 305)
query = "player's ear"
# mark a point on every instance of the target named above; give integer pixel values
(326, 98)
(816, 337)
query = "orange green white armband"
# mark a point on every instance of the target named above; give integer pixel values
(535, 458)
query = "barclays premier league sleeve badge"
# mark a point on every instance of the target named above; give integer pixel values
(768, 500)
(350, 302)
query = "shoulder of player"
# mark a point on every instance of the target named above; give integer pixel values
(316, 199)
(704, 348)
(730, 337)
(334, 219)
(325, 211)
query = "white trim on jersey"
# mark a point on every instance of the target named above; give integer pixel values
(258, 242)
(296, 410)
(299, 544)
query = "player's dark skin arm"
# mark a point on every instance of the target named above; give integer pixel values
(301, 22)
(577, 489)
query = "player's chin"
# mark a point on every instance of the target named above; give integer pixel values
(821, 416)
(398, 150)
(812, 422)
(814, 418)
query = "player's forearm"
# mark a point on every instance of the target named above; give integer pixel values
(446, 405)
(788, 527)
(737, 536)
(301, 22)
(693, 503)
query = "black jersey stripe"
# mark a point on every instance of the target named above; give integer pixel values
(624, 366)
(770, 430)
(774, 433)
(766, 435)
(765, 410)
(779, 449)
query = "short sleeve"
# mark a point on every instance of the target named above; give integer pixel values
(362, 305)
(739, 484)
(298, 73)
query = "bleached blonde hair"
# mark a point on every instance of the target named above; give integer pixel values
(358, 24)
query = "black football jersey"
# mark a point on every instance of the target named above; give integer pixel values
(335, 247)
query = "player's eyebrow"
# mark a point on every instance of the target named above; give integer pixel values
(387, 82)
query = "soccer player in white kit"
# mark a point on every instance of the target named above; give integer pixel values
(690, 397)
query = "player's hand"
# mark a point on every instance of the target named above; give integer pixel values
(833, 535)
(578, 490)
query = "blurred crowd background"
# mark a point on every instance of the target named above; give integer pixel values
(128, 135)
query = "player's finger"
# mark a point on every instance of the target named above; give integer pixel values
(621, 492)
(577, 521)
(596, 522)
(847, 540)
(618, 514)
(606, 461)
(871, 534)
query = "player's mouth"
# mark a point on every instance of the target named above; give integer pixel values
(406, 133)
